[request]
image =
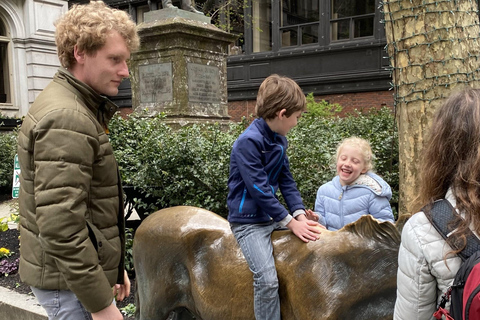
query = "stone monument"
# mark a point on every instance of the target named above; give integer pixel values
(180, 68)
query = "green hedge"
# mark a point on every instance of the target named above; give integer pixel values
(313, 143)
(189, 166)
(8, 149)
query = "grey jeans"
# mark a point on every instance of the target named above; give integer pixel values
(256, 244)
(61, 304)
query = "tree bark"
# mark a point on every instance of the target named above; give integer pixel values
(434, 48)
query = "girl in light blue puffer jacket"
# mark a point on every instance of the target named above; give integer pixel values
(356, 190)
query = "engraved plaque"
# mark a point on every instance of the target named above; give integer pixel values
(203, 83)
(155, 82)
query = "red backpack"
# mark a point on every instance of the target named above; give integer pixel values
(464, 294)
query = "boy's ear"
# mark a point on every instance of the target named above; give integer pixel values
(281, 113)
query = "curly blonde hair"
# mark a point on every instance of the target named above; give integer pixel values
(362, 145)
(87, 27)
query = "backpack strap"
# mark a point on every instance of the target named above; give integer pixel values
(443, 215)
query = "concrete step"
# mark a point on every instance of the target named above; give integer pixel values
(18, 306)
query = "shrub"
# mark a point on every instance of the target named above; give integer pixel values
(322, 108)
(129, 233)
(313, 143)
(190, 166)
(8, 149)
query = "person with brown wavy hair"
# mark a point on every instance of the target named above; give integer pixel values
(450, 170)
(71, 208)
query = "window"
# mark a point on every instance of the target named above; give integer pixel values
(299, 22)
(5, 96)
(140, 12)
(262, 25)
(351, 19)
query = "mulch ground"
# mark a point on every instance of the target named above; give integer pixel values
(9, 239)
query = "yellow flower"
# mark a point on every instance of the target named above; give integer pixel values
(4, 252)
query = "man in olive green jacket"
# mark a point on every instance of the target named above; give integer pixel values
(71, 209)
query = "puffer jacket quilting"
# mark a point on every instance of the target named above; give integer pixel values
(70, 188)
(340, 205)
(425, 271)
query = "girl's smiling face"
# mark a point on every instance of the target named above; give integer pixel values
(350, 164)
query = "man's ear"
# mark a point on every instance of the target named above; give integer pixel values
(78, 55)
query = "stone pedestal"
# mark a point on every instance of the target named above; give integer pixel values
(180, 68)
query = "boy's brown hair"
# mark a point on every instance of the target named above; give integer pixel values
(277, 93)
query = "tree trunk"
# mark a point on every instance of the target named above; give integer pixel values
(434, 48)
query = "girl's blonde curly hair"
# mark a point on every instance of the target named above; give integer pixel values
(87, 27)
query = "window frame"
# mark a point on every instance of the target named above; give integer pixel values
(324, 29)
(5, 40)
(351, 29)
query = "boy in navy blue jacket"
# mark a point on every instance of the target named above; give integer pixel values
(258, 168)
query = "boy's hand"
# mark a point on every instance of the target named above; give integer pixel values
(306, 230)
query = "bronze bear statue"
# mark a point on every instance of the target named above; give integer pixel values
(187, 257)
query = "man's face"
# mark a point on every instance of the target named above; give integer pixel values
(105, 69)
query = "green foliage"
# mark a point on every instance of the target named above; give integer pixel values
(3, 225)
(129, 310)
(313, 143)
(8, 149)
(322, 108)
(190, 166)
(129, 252)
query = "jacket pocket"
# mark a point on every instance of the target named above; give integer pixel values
(108, 250)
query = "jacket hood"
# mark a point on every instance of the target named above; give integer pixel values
(368, 180)
(101, 106)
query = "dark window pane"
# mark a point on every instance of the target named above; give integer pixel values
(363, 27)
(310, 34)
(340, 30)
(3, 73)
(289, 37)
(3, 30)
(348, 8)
(299, 11)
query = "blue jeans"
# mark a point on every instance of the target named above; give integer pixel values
(61, 304)
(256, 244)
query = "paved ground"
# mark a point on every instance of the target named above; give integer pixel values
(5, 211)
